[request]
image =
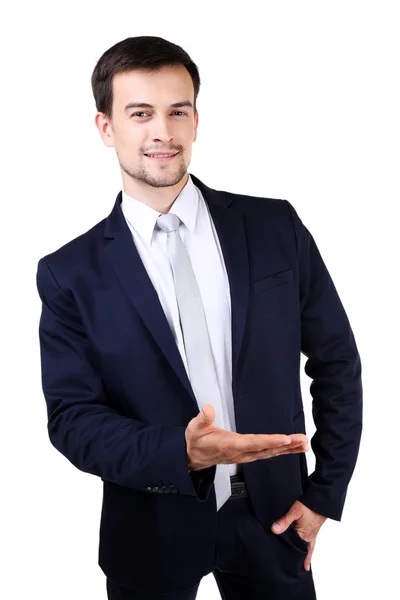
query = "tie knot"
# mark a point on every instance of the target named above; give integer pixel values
(168, 222)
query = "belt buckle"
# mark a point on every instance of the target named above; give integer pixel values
(238, 487)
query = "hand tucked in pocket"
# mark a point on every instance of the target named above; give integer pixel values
(307, 525)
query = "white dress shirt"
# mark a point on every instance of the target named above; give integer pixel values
(199, 235)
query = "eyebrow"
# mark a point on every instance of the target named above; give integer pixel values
(146, 105)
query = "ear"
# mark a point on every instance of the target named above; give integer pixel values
(196, 124)
(104, 126)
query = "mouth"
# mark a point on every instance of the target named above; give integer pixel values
(162, 157)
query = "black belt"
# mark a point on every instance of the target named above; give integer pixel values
(238, 487)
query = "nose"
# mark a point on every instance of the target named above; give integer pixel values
(161, 131)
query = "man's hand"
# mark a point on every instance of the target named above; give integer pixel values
(208, 445)
(307, 524)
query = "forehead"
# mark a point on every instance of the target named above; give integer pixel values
(164, 86)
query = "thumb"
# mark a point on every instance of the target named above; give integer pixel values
(283, 523)
(206, 415)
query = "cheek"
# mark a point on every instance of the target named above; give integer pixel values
(134, 142)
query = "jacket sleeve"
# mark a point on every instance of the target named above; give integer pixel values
(334, 365)
(83, 424)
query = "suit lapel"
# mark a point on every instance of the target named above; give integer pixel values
(129, 268)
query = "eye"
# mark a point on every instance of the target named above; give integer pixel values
(144, 113)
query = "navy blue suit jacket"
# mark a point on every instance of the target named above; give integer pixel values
(119, 399)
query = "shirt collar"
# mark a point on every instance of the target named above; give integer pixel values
(143, 217)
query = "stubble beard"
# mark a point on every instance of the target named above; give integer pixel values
(163, 178)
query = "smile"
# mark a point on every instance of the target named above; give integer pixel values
(161, 157)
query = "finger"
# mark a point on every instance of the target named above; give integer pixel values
(255, 442)
(298, 437)
(297, 441)
(252, 456)
(296, 450)
(258, 442)
(302, 447)
(280, 451)
(307, 562)
(283, 523)
(274, 440)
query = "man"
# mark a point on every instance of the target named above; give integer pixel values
(171, 335)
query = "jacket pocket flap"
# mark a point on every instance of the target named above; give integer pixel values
(272, 280)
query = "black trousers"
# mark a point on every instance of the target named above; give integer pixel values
(251, 562)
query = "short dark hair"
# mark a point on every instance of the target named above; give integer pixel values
(144, 52)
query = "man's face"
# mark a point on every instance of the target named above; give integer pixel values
(135, 131)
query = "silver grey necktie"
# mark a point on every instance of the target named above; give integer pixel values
(200, 359)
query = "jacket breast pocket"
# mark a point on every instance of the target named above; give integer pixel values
(262, 285)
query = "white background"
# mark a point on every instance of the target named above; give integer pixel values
(298, 100)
